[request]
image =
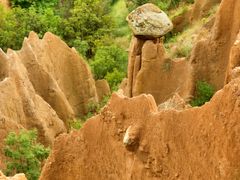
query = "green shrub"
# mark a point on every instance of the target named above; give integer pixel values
(17, 23)
(104, 101)
(115, 78)
(92, 107)
(132, 4)
(204, 93)
(81, 46)
(75, 124)
(24, 154)
(89, 21)
(119, 13)
(174, 3)
(113, 2)
(37, 3)
(109, 62)
(63, 8)
(84, 24)
(163, 5)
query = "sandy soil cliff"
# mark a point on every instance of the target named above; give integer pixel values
(132, 139)
(42, 86)
(211, 54)
(197, 143)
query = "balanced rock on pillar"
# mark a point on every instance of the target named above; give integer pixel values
(149, 21)
(149, 70)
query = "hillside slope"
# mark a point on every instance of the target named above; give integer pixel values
(132, 139)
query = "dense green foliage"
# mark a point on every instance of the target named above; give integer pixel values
(96, 28)
(114, 78)
(88, 26)
(24, 154)
(110, 63)
(17, 23)
(75, 124)
(119, 14)
(85, 25)
(37, 3)
(204, 93)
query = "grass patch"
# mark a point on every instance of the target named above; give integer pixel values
(204, 93)
(179, 11)
(181, 44)
(75, 124)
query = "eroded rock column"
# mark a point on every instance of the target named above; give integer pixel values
(146, 55)
(149, 70)
(233, 70)
(146, 60)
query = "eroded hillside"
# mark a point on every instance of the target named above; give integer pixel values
(198, 143)
(133, 139)
(44, 85)
(148, 129)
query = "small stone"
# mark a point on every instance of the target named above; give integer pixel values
(131, 136)
(126, 138)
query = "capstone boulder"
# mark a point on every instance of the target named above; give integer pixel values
(148, 20)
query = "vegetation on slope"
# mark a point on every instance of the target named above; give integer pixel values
(204, 93)
(163, 4)
(180, 44)
(24, 154)
(99, 31)
(93, 109)
(88, 25)
(121, 32)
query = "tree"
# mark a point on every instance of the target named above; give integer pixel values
(115, 78)
(24, 154)
(37, 3)
(90, 23)
(18, 22)
(110, 62)
(84, 24)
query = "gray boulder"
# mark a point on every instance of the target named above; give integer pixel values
(149, 20)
